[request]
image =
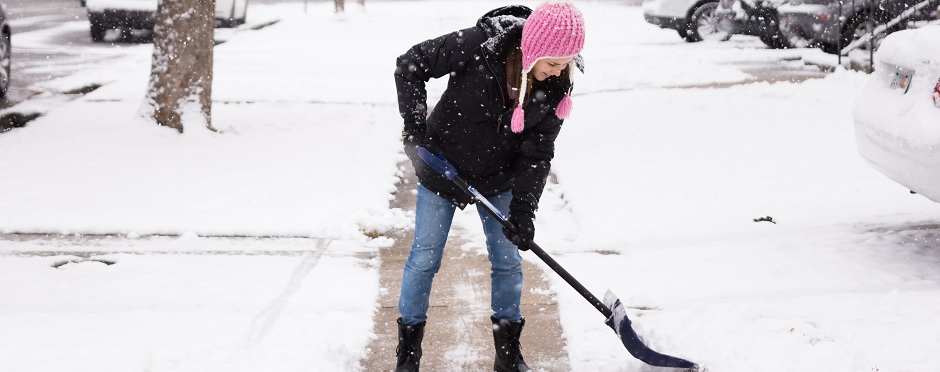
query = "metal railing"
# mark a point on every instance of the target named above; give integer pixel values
(882, 29)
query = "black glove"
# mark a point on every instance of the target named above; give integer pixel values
(411, 138)
(411, 141)
(524, 221)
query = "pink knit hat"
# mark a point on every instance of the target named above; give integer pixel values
(554, 30)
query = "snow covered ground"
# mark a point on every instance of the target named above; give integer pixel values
(658, 187)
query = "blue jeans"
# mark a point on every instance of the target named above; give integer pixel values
(433, 217)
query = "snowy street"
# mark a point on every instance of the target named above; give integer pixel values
(128, 247)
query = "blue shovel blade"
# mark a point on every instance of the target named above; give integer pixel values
(620, 323)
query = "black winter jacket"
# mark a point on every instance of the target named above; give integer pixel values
(470, 125)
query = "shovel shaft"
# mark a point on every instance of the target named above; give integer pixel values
(574, 283)
(556, 267)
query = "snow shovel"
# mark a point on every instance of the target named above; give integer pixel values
(611, 307)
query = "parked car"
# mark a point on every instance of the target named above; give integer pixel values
(694, 20)
(5, 55)
(820, 22)
(104, 15)
(753, 17)
(897, 114)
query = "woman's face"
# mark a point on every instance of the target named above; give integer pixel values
(547, 67)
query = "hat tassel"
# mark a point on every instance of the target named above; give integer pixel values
(564, 107)
(518, 119)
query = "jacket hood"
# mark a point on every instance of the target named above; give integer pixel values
(506, 19)
(503, 26)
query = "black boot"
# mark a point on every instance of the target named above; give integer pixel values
(409, 347)
(506, 336)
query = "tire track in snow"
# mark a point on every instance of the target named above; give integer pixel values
(264, 321)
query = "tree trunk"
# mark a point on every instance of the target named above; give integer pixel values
(180, 90)
(340, 5)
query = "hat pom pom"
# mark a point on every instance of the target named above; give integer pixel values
(518, 120)
(564, 107)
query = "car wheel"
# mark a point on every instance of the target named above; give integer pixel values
(776, 41)
(830, 48)
(98, 31)
(227, 23)
(244, 18)
(704, 25)
(683, 32)
(230, 21)
(4, 64)
(770, 33)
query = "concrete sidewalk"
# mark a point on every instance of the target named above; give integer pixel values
(458, 336)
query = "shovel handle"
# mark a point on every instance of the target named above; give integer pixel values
(574, 283)
(554, 265)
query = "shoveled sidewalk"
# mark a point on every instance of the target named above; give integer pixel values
(458, 336)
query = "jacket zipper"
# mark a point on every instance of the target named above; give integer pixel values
(502, 95)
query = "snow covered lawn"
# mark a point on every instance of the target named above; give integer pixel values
(185, 304)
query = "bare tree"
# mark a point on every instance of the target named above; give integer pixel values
(340, 5)
(181, 75)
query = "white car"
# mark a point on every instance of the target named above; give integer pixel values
(695, 20)
(897, 115)
(104, 15)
